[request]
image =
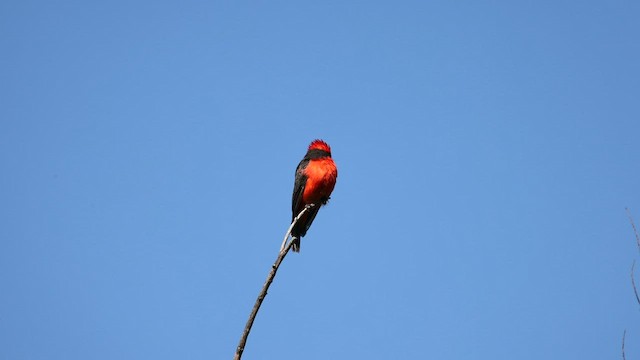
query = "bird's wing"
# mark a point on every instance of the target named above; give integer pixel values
(309, 219)
(298, 189)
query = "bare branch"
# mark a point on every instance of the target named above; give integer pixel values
(263, 293)
(624, 335)
(293, 223)
(633, 225)
(633, 282)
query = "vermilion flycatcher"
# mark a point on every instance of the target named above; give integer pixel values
(315, 179)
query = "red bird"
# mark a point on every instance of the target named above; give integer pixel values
(315, 179)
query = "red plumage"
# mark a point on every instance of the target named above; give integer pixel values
(315, 179)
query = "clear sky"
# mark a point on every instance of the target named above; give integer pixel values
(486, 154)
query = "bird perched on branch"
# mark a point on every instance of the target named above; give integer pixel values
(315, 179)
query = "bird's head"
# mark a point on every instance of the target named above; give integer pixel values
(320, 145)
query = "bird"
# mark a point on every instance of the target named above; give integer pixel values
(315, 179)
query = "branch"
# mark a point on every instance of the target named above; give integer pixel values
(272, 274)
(633, 282)
(293, 223)
(624, 334)
(633, 225)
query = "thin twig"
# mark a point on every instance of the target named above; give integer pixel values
(272, 274)
(624, 335)
(633, 282)
(293, 223)
(633, 225)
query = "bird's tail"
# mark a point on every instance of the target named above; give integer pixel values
(295, 244)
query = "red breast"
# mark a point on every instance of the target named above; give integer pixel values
(321, 179)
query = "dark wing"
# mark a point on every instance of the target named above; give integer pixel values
(298, 189)
(302, 226)
(307, 220)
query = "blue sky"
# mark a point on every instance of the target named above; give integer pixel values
(486, 154)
